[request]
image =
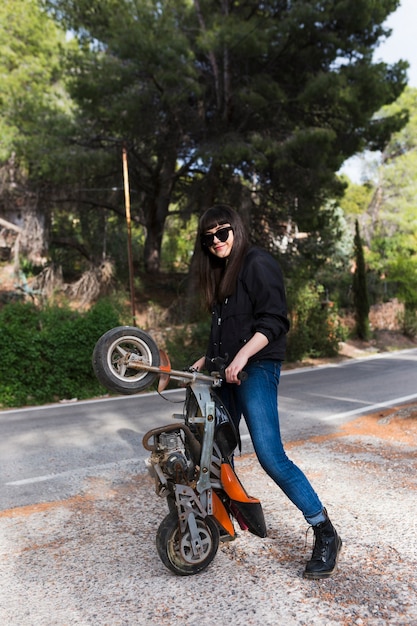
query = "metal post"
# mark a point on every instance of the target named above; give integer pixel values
(129, 234)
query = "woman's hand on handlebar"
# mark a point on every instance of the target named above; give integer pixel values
(253, 346)
(234, 372)
(199, 365)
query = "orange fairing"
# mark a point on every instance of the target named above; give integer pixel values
(220, 513)
(232, 485)
(164, 366)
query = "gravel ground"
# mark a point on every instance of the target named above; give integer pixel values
(91, 560)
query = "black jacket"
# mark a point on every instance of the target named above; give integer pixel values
(258, 304)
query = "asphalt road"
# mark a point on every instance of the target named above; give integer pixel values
(46, 453)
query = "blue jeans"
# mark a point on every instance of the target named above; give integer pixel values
(256, 399)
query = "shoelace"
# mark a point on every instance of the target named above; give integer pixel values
(320, 545)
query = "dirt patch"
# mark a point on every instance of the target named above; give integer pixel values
(394, 425)
(382, 341)
(397, 425)
(77, 503)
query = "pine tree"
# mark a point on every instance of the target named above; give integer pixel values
(253, 103)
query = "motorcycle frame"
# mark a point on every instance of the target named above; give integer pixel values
(184, 495)
(200, 384)
(207, 502)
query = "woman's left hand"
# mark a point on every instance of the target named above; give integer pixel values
(233, 370)
(255, 343)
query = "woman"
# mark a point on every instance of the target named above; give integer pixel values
(243, 288)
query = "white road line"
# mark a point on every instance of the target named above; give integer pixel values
(370, 408)
(363, 359)
(87, 470)
(72, 403)
(361, 410)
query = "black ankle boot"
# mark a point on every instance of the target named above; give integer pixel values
(327, 545)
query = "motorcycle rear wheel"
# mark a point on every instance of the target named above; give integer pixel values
(175, 550)
(109, 364)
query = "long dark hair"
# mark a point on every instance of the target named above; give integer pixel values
(218, 276)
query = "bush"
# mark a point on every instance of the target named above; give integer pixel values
(315, 326)
(46, 353)
(408, 322)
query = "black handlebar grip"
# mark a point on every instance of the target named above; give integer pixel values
(242, 376)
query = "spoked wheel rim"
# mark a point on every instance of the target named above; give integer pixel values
(175, 549)
(181, 544)
(124, 349)
(113, 355)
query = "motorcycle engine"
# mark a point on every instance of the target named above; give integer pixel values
(171, 455)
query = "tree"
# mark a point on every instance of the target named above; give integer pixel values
(385, 206)
(360, 289)
(123, 81)
(403, 272)
(255, 103)
(34, 115)
(33, 103)
(393, 210)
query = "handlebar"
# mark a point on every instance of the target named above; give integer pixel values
(214, 379)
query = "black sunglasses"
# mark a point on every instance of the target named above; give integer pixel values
(207, 239)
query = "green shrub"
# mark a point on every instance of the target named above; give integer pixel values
(408, 322)
(46, 353)
(315, 327)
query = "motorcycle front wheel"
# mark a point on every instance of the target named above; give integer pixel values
(110, 354)
(175, 550)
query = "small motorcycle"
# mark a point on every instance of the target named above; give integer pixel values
(191, 459)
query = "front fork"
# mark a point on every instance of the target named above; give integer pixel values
(189, 506)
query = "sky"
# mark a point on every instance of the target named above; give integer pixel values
(401, 45)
